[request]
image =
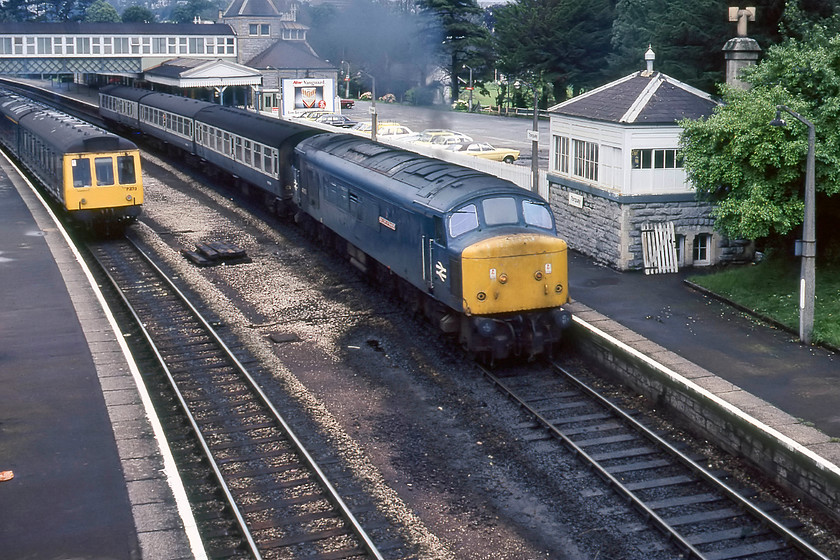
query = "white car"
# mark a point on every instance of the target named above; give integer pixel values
(386, 131)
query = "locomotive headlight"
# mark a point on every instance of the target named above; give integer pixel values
(128, 197)
(83, 201)
(481, 296)
(503, 278)
(558, 288)
(562, 318)
(538, 276)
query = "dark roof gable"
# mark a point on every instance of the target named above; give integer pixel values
(641, 98)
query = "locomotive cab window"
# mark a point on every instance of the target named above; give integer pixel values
(536, 214)
(81, 172)
(463, 220)
(104, 170)
(125, 170)
(499, 211)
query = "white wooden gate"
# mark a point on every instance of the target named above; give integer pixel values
(659, 248)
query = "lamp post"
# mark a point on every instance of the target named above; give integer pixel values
(471, 86)
(346, 80)
(372, 104)
(534, 135)
(807, 276)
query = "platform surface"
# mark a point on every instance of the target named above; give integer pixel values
(88, 476)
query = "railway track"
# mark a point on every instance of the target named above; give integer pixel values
(703, 514)
(278, 498)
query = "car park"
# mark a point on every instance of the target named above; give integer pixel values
(485, 151)
(337, 120)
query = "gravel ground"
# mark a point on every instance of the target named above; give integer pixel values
(449, 462)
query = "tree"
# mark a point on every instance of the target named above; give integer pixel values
(15, 11)
(187, 13)
(557, 41)
(101, 12)
(138, 14)
(455, 27)
(754, 172)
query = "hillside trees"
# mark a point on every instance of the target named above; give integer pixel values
(560, 42)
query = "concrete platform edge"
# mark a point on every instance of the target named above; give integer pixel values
(155, 488)
(797, 456)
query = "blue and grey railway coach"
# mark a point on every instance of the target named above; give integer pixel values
(253, 149)
(482, 248)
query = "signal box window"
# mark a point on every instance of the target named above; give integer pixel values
(700, 249)
(104, 170)
(125, 170)
(81, 173)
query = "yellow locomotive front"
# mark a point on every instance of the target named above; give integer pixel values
(512, 273)
(103, 186)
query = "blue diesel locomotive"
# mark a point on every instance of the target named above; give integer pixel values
(477, 254)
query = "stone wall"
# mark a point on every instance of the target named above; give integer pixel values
(607, 227)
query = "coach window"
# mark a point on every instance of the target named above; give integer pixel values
(463, 220)
(125, 170)
(104, 170)
(248, 152)
(81, 172)
(499, 211)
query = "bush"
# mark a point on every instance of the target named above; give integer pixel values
(366, 96)
(460, 105)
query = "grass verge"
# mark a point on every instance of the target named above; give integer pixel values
(771, 289)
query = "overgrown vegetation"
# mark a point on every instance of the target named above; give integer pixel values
(771, 289)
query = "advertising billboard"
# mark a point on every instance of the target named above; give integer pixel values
(308, 94)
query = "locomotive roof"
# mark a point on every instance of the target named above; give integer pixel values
(63, 132)
(434, 183)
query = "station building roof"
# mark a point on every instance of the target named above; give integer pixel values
(195, 72)
(287, 55)
(81, 28)
(641, 98)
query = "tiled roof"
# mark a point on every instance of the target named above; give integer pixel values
(289, 55)
(641, 98)
(76, 28)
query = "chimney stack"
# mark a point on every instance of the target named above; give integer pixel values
(740, 51)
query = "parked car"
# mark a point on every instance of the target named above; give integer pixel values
(485, 150)
(446, 140)
(430, 134)
(347, 103)
(312, 115)
(385, 130)
(337, 120)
